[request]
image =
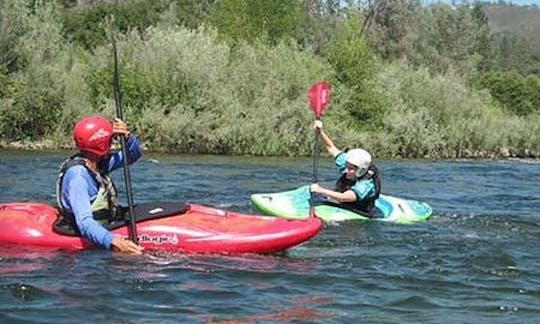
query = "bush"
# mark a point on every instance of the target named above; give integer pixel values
(518, 95)
(440, 116)
(187, 92)
(355, 63)
(87, 26)
(33, 97)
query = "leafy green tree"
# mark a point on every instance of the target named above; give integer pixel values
(354, 63)
(394, 30)
(455, 37)
(483, 44)
(86, 26)
(34, 90)
(514, 52)
(253, 19)
(316, 28)
(7, 57)
(193, 13)
(516, 93)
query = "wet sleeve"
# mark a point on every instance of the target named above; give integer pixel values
(79, 197)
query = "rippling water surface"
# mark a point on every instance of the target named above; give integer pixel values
(476, 260)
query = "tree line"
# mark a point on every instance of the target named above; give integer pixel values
(230, 76)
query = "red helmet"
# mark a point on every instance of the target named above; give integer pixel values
(93, 134)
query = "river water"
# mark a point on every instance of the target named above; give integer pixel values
(476, 260)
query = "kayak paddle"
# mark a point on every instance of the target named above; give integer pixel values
(319, 97)
(127, 176)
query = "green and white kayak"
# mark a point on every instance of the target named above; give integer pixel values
(295, 204)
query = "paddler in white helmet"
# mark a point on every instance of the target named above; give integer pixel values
(359, 182)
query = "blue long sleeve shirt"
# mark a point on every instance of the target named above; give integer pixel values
(79, 190)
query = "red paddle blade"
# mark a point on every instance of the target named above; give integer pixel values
(319, 97)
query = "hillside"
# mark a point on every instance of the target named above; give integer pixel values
(521, 20)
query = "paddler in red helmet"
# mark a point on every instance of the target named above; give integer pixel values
(85, 193)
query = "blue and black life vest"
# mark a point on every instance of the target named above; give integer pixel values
(364, 206)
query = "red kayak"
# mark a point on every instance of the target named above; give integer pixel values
(191, 229)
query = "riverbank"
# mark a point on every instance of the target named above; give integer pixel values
(501, 153)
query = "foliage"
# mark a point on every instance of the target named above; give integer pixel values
(439, 116)
(522, 21)
(9, 29)
(516, 40)
(209, 77)
(189, 13)
(203, 98)
(517, 94)
(34, 95)
(3, 80)
(86, 26)
(355, 63)
(395, 30)
(451, 38)
(515, 53)
(251, 20)
(483, 39)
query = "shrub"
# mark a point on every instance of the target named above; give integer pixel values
(440, 116)
(186, 91)
(517, 94)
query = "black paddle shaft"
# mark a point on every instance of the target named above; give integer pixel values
(316, 155)
(127, 175)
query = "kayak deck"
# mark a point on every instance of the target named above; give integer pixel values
(294, 204)
(199, 229)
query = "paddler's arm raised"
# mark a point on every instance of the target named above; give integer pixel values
(134, 151)
(328, 143)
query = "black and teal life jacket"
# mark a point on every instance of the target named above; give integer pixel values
(367, 205)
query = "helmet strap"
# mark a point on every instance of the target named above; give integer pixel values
(367, 175)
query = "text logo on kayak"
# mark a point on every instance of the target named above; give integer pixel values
(159, 239)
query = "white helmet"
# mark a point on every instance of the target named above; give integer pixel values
(359, 158)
